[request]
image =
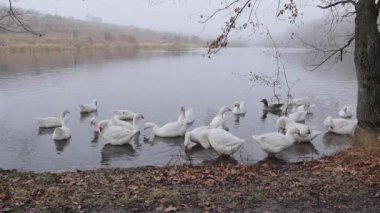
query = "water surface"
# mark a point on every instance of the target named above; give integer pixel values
(155, 84)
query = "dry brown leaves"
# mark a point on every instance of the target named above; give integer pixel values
(208, 188)
(207, 176)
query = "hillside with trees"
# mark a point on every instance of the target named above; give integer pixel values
(62, 33)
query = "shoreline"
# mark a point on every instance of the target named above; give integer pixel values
(62, 48)
(347, 182)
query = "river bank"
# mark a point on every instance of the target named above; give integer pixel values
(80, 47)
(347, 182)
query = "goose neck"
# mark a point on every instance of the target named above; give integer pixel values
(64, 121)
(291, 136)
(187, 139)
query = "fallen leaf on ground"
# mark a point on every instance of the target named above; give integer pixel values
(170, 209)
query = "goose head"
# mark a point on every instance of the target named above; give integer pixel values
(148, 125)
(136, 122)
(94, 124)
(64, 113)
(237, 104)
(224, 109)
(282, 122)
(187, 141)
(138, 116)
(183, 109)
(265, 102)
(102, 126)
(95, 102)
(65, 120)
(328, 122)
(294, 133)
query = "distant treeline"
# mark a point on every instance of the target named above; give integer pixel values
(319, 32)
(62, 33)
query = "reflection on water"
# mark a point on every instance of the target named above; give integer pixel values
(156, 84)
(173, 142)
(86, 117)
(40, 62)
(335, 143)
(45, 131)
(61, 145)
(123, 152)
(220, 160)
(299, 152)
(265, 115)
(237, 119)
(95, 138)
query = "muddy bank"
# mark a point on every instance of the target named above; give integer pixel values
(314, 186)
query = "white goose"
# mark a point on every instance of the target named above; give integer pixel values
(63, 132)
(50, 122)
(173, 129)
(95, 124)
(275, 142)
(308, 137)
(186, 114)
(137, 117)
(307, 107)
(298, 116)
(92, 107)
(341, 126)
(239, 108)
(193, 136)
(115, 135)
(221, 141)
(124, 114)
(299, 101)
(218, 121)
(285, 123)
(345, 112)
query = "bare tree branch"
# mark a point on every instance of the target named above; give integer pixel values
(222, 40)
(219, 10)
(330, 52)
(13, 22)
(337, 3)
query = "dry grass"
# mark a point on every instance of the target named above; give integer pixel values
(366, 149)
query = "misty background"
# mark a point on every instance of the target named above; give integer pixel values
(183, 16)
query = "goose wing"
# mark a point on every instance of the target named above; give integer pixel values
(272, 142)
(224, 142)
(49, 122)
(117, 135)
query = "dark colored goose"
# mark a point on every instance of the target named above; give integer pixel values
(274, 108)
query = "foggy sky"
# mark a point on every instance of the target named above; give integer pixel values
(180, 16)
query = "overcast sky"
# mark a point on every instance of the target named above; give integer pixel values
(180, 16)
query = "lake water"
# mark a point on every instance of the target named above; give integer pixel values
(156, 84)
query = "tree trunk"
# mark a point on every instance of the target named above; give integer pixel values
(367, 62)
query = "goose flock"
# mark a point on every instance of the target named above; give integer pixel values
(118, 131)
